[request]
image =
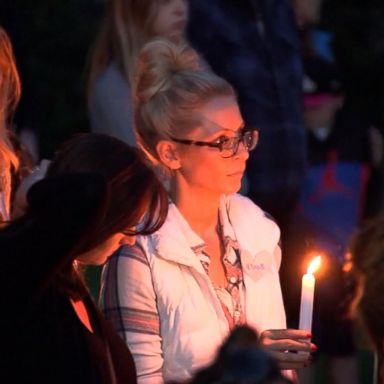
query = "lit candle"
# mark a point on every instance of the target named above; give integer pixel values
(307, 293)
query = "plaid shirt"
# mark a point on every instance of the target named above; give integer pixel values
(255, 46)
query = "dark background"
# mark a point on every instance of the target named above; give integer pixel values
(51, 40)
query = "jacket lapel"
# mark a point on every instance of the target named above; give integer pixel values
(175, 240)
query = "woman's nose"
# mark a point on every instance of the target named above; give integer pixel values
(242, 151)
(181, 8)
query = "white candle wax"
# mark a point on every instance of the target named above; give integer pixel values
(306, 306)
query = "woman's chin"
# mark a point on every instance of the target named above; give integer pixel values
(232, 189)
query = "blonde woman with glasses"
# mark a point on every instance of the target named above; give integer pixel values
(214, 265)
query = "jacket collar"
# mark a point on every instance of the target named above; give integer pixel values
(241, 220)
(176, 241)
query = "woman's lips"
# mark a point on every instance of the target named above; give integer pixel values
(237, 173)
(179, 25)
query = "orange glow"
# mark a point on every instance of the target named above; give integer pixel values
(348, 264)
(314, 265)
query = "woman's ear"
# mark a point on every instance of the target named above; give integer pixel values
(168, 154)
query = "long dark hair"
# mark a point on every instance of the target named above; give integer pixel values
(126, 26)
(135, 191)
(95, 187)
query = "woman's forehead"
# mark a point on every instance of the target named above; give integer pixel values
(210, 126)
(222, 112)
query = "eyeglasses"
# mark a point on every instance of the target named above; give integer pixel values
(228, 146)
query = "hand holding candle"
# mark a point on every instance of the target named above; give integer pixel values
(307, 294)
(280, 342)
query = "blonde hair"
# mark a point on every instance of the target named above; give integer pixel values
(127, 25)
(171, 85)
(10, 92)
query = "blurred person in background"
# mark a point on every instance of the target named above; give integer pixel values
(127, 26)
(358, 47)
(330, 209)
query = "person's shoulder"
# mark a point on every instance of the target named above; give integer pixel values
(238, 201)
(253, 227)
(244, 206)
(110, 79)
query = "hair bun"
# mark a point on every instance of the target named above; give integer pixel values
(159, 62)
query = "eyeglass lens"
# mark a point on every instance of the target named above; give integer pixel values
(249, 139)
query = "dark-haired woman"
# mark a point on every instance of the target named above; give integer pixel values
(95, 193)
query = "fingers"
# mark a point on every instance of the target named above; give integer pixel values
(295, 334)
(290, 360)
(287, 339)
(290, 347)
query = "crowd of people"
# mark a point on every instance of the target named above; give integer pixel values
(190, 102)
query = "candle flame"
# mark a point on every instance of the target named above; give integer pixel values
(314, 265)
